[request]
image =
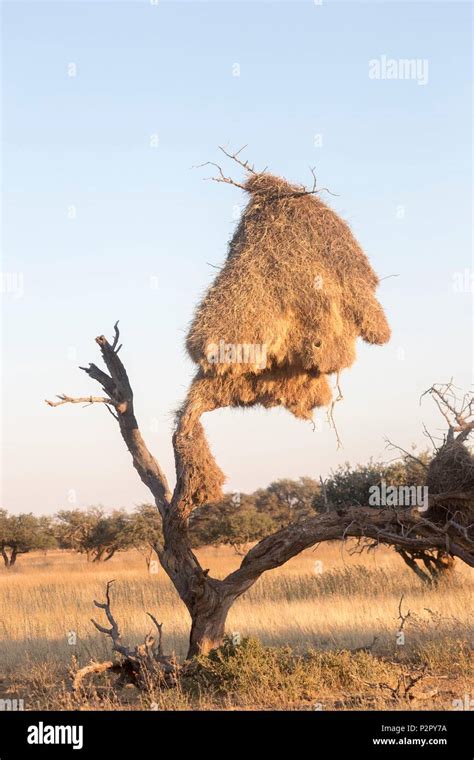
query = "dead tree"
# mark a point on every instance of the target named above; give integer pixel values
(449, 479)
(209, 599)
(140, 665)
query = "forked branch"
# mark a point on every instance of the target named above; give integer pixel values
(113, 631)
(456, 408)
(138, 664)
(119, 400)
(250, 168)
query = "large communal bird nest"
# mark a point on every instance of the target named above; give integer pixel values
(286, 309)
(450, 480)
(450, 477)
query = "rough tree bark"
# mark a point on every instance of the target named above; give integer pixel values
(209, 599)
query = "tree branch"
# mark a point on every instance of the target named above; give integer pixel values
(251, 169)
(235, 157)
(457, 411)
(404, 528)
(222, 177)
(120, 397)
(86, 400)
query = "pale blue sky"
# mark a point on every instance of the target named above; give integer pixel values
(147, 224)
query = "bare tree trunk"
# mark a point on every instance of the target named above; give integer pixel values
(208, 627)
(9, 560)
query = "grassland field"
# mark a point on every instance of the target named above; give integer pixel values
(300, 626)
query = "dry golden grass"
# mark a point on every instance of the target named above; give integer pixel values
(351, 600)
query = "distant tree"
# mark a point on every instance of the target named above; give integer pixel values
(409, 470)
(145, 531)
(110, 535)
(205, 525)
(74, 528)
(233, 520)
(295, 497)
(20, 534)
(94, 533)
(268, 504)
(244, 526)
(207, 522)
(349, 485)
